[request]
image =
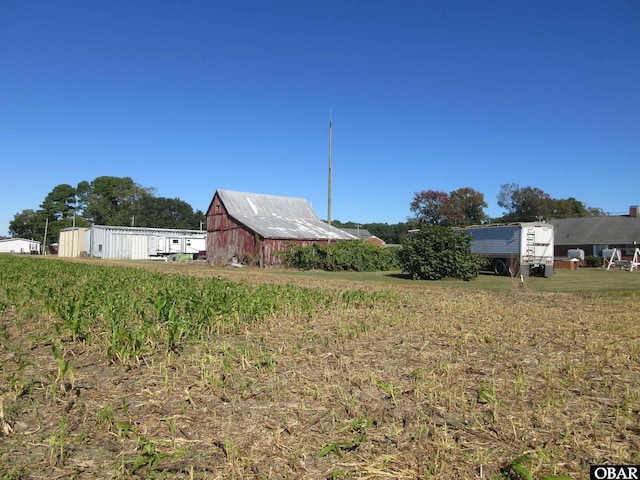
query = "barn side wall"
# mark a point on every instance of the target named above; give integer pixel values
(228, 239)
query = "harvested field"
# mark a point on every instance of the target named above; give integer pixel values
(360, 381)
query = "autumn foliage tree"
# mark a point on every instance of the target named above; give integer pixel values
(464, 206)
(430, 207)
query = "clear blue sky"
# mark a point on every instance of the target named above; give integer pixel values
(192, 96)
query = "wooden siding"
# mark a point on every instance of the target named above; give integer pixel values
(228, 239)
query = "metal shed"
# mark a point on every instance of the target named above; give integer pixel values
(140, 243)
(253, 227)
(71, 242)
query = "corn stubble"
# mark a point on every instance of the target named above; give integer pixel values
(121, 372)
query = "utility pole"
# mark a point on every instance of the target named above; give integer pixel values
(73, 236)
(329, 192)
(44, 240)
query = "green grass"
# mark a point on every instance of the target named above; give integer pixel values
(131, 312)
(584, 280)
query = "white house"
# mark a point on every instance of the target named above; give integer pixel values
(19, 245)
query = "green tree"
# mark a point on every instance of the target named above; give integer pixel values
(83, 191)
(437, 252)
(525, 204)
(59, 208)
(60, 203)
(162, 212)
(464, 206)
(391, 234)
(467, 207)
(530, 204)
(28, 224)
(104, 201)
(568, 208)
(111, 200)
(596, 212)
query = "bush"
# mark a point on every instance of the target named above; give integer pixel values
(593, 261)
(438, 252)
(343, 255)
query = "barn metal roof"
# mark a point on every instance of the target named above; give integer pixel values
(272, 216)
(597, 230)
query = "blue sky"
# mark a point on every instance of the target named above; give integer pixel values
(192, 96)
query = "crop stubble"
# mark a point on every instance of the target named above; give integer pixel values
(378, 382)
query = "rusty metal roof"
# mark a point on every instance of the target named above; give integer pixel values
(272, 216)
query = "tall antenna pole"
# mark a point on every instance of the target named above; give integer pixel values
(329, 192)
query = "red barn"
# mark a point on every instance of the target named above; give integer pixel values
(252, 227)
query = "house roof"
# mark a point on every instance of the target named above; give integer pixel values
(13, 239)
(272, 216)
(360, 233)
(621, 229)
(143, 230)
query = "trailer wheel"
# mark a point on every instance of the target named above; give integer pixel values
(500, 268)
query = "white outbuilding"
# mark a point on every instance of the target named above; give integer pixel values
(71, 242)
(19, 245)
(141, 243)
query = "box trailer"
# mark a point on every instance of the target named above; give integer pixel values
(524, 248)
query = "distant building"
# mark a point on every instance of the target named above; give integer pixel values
(595, 234)
(19, 245)
(71, 242)
(253, 227)
(364, 235)
(139, 243)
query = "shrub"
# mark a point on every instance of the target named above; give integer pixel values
(593, 261)
(343, 255)
(437, 252)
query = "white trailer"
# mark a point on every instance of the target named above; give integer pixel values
(524, 248)
(170, 244)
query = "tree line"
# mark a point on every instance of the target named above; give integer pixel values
(119, 201)
(466, 206)
(104, 201)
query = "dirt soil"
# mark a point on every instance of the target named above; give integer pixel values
(425, 382)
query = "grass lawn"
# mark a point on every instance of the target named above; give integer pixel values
(584, 280)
